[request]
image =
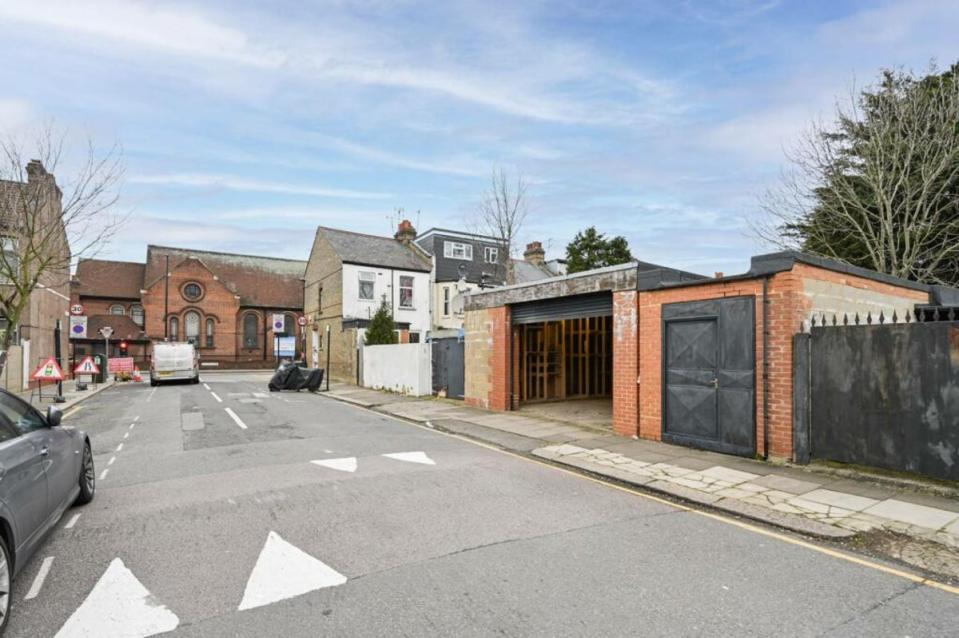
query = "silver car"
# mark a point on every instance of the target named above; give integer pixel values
(44, 469)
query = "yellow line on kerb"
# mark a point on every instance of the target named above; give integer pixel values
(716, 517)
(72, 411)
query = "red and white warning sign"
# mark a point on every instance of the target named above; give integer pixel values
(49, 370)
(87, 366)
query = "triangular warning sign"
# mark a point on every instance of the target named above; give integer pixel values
(49, 370)
(119, 605)
(87, 366)
(283, 571)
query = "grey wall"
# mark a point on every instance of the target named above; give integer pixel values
(448, 269)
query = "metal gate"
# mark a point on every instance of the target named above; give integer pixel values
(709, 374)
(449, 370)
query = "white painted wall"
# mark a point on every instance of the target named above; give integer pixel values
(452, 321)
(386, 279)
(403, 368)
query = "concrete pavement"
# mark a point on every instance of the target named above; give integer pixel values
(228, 510)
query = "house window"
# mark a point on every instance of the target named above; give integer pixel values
(117, 309)
(491, 254)
(249, 331)
(457, 250)
(209, 333)
(174, 329)
(319, 299)
(192, 291)
(11, 257)
(191, 327)
(289, 325)
(136, 311)
(446, 301)
(414, 337)
(367, 279)
(406, 291)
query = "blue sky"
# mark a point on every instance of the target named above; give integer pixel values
(247, 124)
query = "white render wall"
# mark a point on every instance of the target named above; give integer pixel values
(386, 280)
(452, 321)
(403, 368)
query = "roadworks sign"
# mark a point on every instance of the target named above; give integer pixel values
(87, 366)
(49, 370)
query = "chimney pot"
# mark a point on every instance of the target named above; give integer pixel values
(534, 253)
(718, 274)
(405, 232)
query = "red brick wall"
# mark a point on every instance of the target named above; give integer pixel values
(625, 362)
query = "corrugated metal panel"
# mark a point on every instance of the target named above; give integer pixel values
(595, 305)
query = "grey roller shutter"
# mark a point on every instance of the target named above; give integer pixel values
(594, 305)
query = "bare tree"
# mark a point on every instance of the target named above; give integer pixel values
(880, 188)
(501, 214)
(46, 226)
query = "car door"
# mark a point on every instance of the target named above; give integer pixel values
(54, 444)
(23, 482)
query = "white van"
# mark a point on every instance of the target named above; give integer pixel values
(173, 362)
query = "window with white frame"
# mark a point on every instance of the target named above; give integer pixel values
(136, 313)
(446, 301)
(406, 291)
(491, 254)
(457, 250)
(11, 257)
(367, 280)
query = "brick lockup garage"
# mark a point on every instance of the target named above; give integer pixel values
(697, 361)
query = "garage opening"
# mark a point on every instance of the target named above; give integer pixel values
(563, 361)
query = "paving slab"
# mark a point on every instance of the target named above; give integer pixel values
(729, 475)
(785, 484)
(840, 499)
(912, 514)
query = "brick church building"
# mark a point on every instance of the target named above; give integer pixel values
(224, 303)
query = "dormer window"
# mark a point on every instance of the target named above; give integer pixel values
(457, 250)
(491, 254)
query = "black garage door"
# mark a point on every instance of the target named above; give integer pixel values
(709, 370)
(574, 307)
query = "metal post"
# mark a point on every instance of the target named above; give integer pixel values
(327, 357)
(106, 358)
(166, 300)
(59, 355)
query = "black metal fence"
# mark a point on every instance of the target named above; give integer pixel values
(880, 390)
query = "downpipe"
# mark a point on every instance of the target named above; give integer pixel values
(765, 310)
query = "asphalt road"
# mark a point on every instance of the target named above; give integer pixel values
(209, 523)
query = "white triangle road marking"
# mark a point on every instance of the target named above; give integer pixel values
(119, 605)
(347, 464)
(412, 457)
(283, 571)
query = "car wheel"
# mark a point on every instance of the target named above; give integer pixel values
(88, 477)
(6, 576)
(153, 382)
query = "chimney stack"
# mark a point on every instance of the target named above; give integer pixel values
(405, 233)
(535, 254)
(35, 170)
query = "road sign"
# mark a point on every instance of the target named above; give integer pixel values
(76, 309)
(78, 327)
(285, 346)
(301, 321)
(49, 370)
(279, 323)
(87, 366)
(106, 332)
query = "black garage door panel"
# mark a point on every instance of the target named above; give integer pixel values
(709, 375)
(594, 305)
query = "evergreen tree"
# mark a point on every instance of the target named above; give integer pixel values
(590, 249)
(381, 328)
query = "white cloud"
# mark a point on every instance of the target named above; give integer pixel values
(243, 184)
(14, 114)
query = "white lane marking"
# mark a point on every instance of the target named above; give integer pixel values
(119, 605)
(235, 418)
(412, 457)
(347, 464)
(151, 394)
(218, 399)
(206, 386)
(110, 462)
(103, 474)
(261, 395)
(73, 521)
(41, 576)
(283, 571)
(136, 418)
(132, 425)
(120, 447)
(327, 451)
(126, 434)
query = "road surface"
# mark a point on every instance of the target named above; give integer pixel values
(225, 510)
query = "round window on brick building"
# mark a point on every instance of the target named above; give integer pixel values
(192, 291)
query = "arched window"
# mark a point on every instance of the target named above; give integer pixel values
(136, 312)
(209, 333)
(191, 327)
(290, 324)
(117, 309)
(249, 331)
(174, 329)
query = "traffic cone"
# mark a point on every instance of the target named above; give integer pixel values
(136, 374)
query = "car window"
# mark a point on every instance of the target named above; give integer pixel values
(21, 415)
(7, 431)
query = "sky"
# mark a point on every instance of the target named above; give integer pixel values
(245, 125)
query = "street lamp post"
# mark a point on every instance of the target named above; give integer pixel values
(327, 357)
